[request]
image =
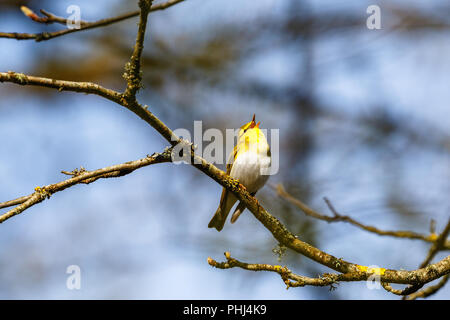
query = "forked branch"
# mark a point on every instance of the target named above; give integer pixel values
(337, 217)
(348, 271)
(84, 25)
(80, 176)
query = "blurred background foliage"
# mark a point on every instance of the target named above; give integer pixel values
(363, 118)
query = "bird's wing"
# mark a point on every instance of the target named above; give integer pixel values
(223, 197)
(231, 159)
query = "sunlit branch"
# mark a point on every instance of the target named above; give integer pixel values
(438, 245)
(435, 248)
(278, 230)
(293, 280)
(348, 271)
(133, 67)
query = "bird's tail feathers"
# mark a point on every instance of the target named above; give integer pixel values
(239, 209)
(217, 220)
(237, 212)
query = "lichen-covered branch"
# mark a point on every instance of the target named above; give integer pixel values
(133, 70)
(435, 248)
(428, 291)
(438, 245)
(278, 230)
(348, 271)
(289, 278)
(293, 280)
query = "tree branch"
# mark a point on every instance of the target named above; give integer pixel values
(286, 275)
(93, 88)
(80, 176)
(50, 18)
(327, 279)
(435, 248)
(278, 230)
(133, 67)
(438, 245)
(60, 85)
(401, 292)
(349, 271)
(429, 290)
(338, 217)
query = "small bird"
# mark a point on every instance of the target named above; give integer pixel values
(250, 157)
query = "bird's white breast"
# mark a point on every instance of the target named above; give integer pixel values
(248, 168)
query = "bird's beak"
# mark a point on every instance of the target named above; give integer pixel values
(253, 124)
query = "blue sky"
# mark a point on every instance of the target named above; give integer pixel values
(123, 232)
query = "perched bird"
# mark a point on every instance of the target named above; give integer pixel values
(247, 163)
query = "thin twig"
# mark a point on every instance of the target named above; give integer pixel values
(350, 271)
(428, 291)
(402, 292)
(93, 88)
(83, 24)
(337, 217)
(289, 278)
(60, 85)
(278, 230)
(435, 248)
(133, 67)
(13, 202)
(41, 193)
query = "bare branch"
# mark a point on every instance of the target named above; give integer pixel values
(437, 246)
(327, 279)
(93, 88)
(278, 230)
(289, 278)
(33, 16)
(338, 217)
(349, 271)
(50, 18)
(60, 85)
(401, 292)
(41, 193)
(429, 290)
(133, 67)
(14, 202)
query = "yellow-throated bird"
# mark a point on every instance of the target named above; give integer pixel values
(248, 163)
